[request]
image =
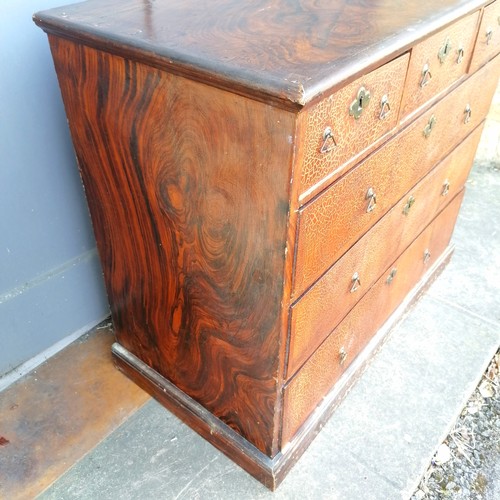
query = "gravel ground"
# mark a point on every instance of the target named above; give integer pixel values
(467, 464)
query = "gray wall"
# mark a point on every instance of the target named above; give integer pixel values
(50, 278)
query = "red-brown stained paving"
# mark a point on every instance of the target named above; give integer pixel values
(59, 412)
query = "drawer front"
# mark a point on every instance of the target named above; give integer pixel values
(488, 38)
(319, 311)
(306, 390)
(439, 61)
(343, 125)
(331, 224)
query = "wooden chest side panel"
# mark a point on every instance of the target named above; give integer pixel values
(188, 191)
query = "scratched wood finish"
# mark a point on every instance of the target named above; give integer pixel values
(443, 73)
(487, 46)
(188, 190)
(289, 51)
(213, 212)
(351, 136)
(317, 313)
(325, 227)
(322, 370)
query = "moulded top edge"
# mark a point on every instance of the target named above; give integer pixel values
(286, 52)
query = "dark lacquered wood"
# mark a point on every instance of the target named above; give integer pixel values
(190, 126)
(188, 189)
(286, 51)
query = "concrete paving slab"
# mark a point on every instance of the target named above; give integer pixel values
(155, 456)
(52, 417)
(412, 393)
(472, 280)
(377, 444)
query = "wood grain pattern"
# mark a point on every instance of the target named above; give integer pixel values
(188, 190)
(322, 370)
(325, 227)
(459, 35)
(319, 311)
(485, 48)
(351, 136)
(197, 129)
(287, 51)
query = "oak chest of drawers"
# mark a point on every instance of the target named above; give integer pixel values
(270, 184)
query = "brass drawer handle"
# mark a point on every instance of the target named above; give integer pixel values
(426, 76)
(385, 107)
(356, 282)
(328, 141)
(342, 355)
(489, 35)
(446, 187)
(467, 114)
(427, 255)
(391, 276)
(430, 126)
(461, 54)
(444, 51)
(372, 197)
(360, 103)
(409, 204)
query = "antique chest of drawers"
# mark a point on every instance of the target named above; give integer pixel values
(271, 184)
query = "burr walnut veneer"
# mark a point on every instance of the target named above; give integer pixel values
(271, 184)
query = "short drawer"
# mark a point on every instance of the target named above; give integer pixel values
(488, 38)
(306, 390)
(319, 311)
(437, 62)
(346, 123)
(334, 221)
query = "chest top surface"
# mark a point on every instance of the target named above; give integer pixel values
(288, 51)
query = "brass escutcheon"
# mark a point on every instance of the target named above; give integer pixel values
(444, 51)
(427, 255)
(489, 35)
(409, 204)
(360, 103)
(467, 114)
(391, 276)
(430, 126)
(372, 197)
(328, 141)
(356, 282)
(446, 187)
(342, 355)
(385, 107)
(426, 76)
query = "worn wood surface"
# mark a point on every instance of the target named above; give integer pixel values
(188, 190)
(487, 46)
(306, 390)
(325, 231)
(317, 313)
(351, 136)
(205, 188)
(282, 50)
(59, 412)
(443, 73)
